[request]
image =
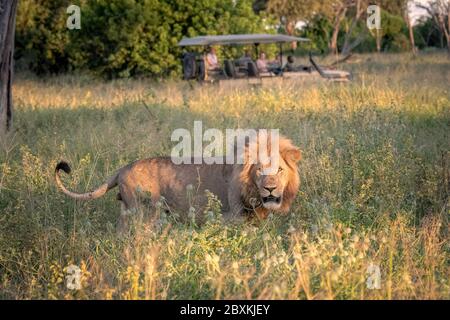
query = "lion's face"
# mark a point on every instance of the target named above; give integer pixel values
(275, 187)
(271, 186)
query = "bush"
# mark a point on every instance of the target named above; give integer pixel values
(122, 38)
(41, 36)
(393, 28)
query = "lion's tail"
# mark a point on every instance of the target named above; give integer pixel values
(97, 193)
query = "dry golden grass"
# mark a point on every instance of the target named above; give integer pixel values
(375, 189)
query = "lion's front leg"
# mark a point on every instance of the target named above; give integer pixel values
(236, 209)
(261, 213)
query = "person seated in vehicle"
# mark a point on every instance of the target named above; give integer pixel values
(242, 61)
(211, 60)
(289, 66)
(266, 66)
(274, 66)
(262, 63)
(276, 62)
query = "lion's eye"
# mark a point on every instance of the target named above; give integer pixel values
(280, 169)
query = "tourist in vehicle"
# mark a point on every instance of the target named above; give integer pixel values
(242, 61)
(289, 66)
(272, 66)
(261, 63)
(211, 60)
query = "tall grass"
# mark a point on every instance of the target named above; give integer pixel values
(375, 189)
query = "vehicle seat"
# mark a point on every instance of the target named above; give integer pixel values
(230, 70)
(330, 74)
(252, 69)
(201, 71)
(189, 66)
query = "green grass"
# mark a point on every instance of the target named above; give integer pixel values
(375, 189)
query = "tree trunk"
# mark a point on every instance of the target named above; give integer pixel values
(447, 30)
(348, 47)
(411, 32)
(290, 29)
(336, 27)
(7, 26)
(378, 40)
(439, 11)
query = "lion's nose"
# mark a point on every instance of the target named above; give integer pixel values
(270, 189)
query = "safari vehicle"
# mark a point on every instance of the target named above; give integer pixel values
(237, 72)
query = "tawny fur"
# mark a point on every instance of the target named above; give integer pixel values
(239, 187)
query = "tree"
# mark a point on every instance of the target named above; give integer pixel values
(388, 8)
(401, 8)
(430, 33)
(340, 9)
(360, 8)
(42, 37)
(393, 33)
(439, 11)
(336, 11)
(122, 38)
(318, 30)
(290, 12)
(7, 23)
(410, 26)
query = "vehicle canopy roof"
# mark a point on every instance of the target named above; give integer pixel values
(238, 39)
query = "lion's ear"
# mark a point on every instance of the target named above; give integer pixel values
(293, 154)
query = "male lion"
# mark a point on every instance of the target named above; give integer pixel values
(241, 188)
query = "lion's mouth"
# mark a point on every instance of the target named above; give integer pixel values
(271, 199)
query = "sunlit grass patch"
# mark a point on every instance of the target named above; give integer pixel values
(374, 191)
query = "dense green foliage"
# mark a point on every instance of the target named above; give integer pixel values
(428, 35)
(41, 35)
(123, 37)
